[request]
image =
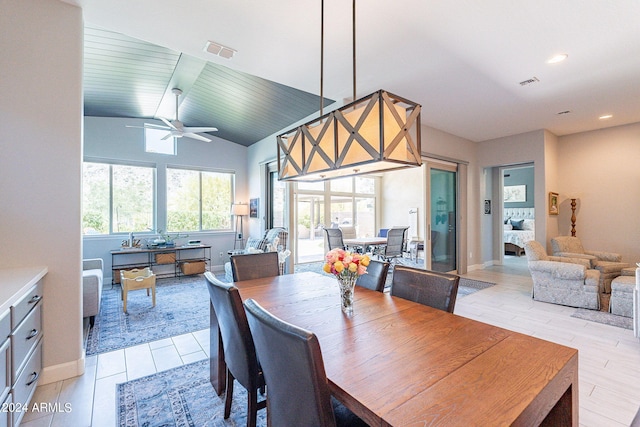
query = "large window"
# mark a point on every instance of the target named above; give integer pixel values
(117, 198)
(198, 200)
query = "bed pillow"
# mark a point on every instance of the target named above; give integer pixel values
(517, 224)
(529, 224)
(506, 221)
(508, 227)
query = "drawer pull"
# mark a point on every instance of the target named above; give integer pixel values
(35, 376)
(34, 299)
(34, 333)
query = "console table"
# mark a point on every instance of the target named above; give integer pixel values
(164, 261)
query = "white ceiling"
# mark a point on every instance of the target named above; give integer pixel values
(461, 59)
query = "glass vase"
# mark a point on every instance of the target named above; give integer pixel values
(347, 285)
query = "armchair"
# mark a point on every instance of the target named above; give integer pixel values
(607, 263)
(562, 280)
(92, 271)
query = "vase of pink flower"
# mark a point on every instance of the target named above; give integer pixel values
(347, 267)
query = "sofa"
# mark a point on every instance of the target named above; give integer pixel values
(92, 273)
(274, 239)
(561, 280)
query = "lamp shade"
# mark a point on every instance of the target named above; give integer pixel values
(379, 132)
(240, 209)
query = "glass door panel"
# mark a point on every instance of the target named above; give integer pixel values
(366, 217)
(341, 211)
(310, 220)
(443, 185)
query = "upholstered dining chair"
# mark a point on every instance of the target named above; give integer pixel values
(432, 288)
(298, 390)
(376, 276)
(254, 266)
(239, 350)
(334, 238)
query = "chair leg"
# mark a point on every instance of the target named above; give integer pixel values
(252, 408)
(229, 397)
(92, 320)
(124, 300)
(153, 295)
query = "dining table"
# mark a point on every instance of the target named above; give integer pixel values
(394, 362)
(369, 244)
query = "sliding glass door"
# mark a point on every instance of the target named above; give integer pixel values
(443, 184)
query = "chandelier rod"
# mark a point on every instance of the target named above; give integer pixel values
(353, 22)
(321, 56)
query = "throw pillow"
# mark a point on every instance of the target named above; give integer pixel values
(506, 221)
(508, 227)
(253, 242)
(517, 224)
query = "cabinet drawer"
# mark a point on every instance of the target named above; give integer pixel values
(5, 325)
(5, 415)
(20, 309)
(26, 384)
(5, 368)
(24, 338)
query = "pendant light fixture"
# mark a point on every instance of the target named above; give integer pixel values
(377, 133)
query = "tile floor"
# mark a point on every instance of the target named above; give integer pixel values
(609, 357)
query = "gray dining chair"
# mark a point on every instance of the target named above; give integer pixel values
(334, 238)
(237, 342)
(376, 276)
(432, 288)
(254, 266)
(395, 244)
(298, 390)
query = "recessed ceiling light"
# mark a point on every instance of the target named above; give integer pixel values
(558, 58)
(605, 117)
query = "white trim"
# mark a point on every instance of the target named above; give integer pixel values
(55, 373)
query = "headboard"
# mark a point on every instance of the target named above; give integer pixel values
(519, 213)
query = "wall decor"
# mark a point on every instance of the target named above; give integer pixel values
(515, 193)
(487, 207)
(553, 203)
(253, 208)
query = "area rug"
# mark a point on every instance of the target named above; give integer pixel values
(182, 306)
(181, 396)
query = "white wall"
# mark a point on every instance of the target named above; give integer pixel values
(603, 168)
(110, 139)
(40, 174)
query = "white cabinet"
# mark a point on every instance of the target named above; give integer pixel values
(21, 296)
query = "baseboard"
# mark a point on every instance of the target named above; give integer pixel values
(55, 373)
(476, 267)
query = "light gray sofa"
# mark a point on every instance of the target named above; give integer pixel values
(560, 280)
(92, 272)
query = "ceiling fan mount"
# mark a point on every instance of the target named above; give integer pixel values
(176, 128)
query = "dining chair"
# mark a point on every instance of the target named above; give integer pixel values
(376, 276)
(298, 390)
(395, 244)
(334, 238)
(432, 288)
(239, 351)
(254, 266)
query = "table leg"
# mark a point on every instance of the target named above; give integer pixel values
(217, 365)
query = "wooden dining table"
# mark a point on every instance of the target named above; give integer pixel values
(398, 363)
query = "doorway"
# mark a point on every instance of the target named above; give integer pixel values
(442, 217)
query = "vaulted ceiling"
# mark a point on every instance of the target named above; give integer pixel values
(463, 60)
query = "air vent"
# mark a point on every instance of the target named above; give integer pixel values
(219, 49)
(529, 81)
(563, 112)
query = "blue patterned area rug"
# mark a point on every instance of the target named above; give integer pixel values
(182, 306)
(181, 396)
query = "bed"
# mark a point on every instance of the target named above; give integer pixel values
(519, 227)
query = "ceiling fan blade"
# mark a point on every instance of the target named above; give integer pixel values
(196, 136)
(168, 123)
(148, 126)
(167, 136)
(200, 130)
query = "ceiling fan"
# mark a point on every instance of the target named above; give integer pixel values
(176, 128)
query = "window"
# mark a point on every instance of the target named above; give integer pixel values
(154, 142)
(117, 198)
(198, 200)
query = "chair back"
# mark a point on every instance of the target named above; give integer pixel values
(254, 266)
(534, 251)
(395, 242)
(239, 350)
(437, 290)
(570, 244)
(297, 383)
(334, 238)
(376, 276)
(348, 232)
(383, 232)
